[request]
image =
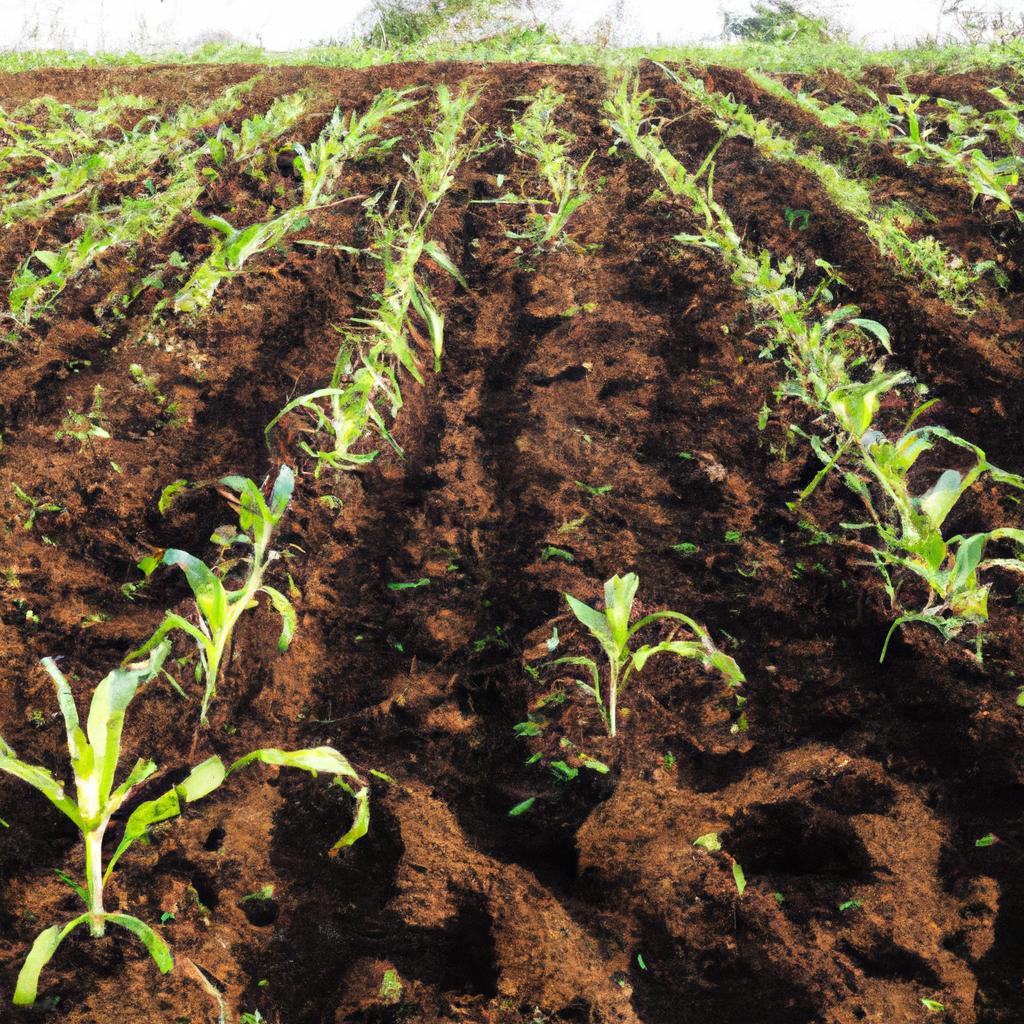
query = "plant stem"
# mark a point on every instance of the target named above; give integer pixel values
(240, 601)
(94, 877)
(613, 694)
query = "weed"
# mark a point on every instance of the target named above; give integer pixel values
(36, 506)
(83, 427)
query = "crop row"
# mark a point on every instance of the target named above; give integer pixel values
(958, 144)
(924, 260)
(835, 372)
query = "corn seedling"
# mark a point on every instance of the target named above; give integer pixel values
(344, 139)
(94, 753)
(364, 391)
(218, 608)
(925, 260)
(611, 629)
(45, 132)
(536, 137)
(137, 218)
(149, 142)
(960, 148)
(831, 371)
(900, 123)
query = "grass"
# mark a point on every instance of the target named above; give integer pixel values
(803, 55)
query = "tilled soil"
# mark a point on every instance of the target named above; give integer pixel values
(602, 399)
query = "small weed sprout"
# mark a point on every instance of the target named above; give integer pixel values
(94, 754)
(36, 506)
(218, 609)
(613, 632)
(83, 427)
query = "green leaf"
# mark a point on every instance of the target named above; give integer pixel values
(312, 759)
(595, 621)
(281, 494)
(147, 814)
(286, 610)
(157, 947)
(709, 841)
(738, 877)
(681, 648)
(443, 260)
(68, 708)
(42, 780)
(202, 780)
(968, 557)
(168, 494)
(522, 808)
(360, 823)
(210, 595)
(41, 953)
(938, 501)
(106, 714)
(985, 841)
(424, 581)
(933, 1005)
(875, 328)
(551, 552)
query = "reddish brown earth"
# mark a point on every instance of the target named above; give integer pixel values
(855, 782)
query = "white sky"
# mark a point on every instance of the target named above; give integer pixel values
(277, 25)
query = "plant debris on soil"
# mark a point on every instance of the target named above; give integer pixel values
(596, 413)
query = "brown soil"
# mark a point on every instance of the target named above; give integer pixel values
(853, 802)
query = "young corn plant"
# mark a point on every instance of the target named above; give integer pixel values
(364, 392)
(909, 522)
(344, 139)
(536, 137)
(611, 629)
(960, 148)
(832, 372)
(924, 260)
(148, 143)
(136, 218)
(94, 752)
(45, 132)
(218, 608)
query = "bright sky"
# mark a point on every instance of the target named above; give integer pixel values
(277, 25)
